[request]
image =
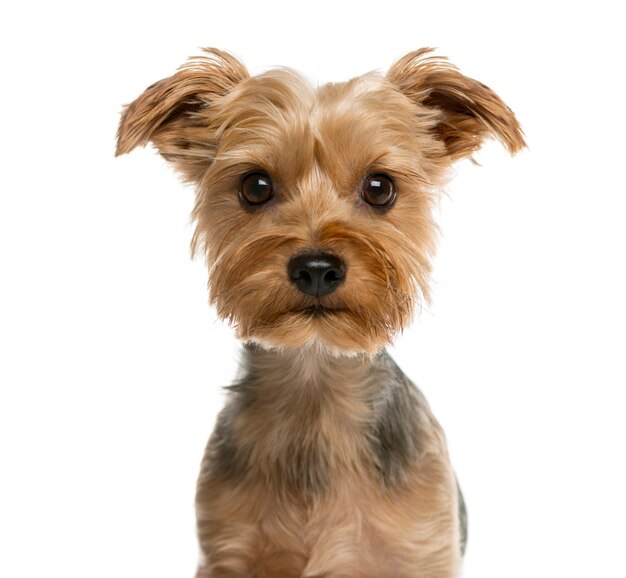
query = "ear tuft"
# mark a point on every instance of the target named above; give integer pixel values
(469, 110)
(171, 112)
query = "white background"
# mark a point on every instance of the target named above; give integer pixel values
(112, 362)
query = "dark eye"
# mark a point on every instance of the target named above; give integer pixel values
(256, 189)
(379, 191)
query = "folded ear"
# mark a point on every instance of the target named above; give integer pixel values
(175, 113)
(469, 111)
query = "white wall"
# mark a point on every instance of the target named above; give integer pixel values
(111, 360)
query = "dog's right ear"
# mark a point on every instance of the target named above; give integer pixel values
(175, 113)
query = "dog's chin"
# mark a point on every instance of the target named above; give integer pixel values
(336, 331)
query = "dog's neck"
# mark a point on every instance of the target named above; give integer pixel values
(306, 414)
(309, 370)
(302, 416)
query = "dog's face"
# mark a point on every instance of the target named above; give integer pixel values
(314, 205)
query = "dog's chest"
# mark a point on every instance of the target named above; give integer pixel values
(302, 477)
(303, 442)
(300, 429)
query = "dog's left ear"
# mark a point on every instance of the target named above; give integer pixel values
(467, 111)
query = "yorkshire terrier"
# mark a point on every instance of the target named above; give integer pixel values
(314, 212)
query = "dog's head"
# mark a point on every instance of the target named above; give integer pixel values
(314, 205)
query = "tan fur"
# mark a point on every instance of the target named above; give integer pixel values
(264, 527)
(305, 499)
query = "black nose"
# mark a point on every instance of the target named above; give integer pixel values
(316, 274)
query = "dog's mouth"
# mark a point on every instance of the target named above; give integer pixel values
(319, 311)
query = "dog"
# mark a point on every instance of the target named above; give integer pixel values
(314, 213)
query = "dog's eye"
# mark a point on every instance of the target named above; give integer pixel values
(256, 189)
(379, 191)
